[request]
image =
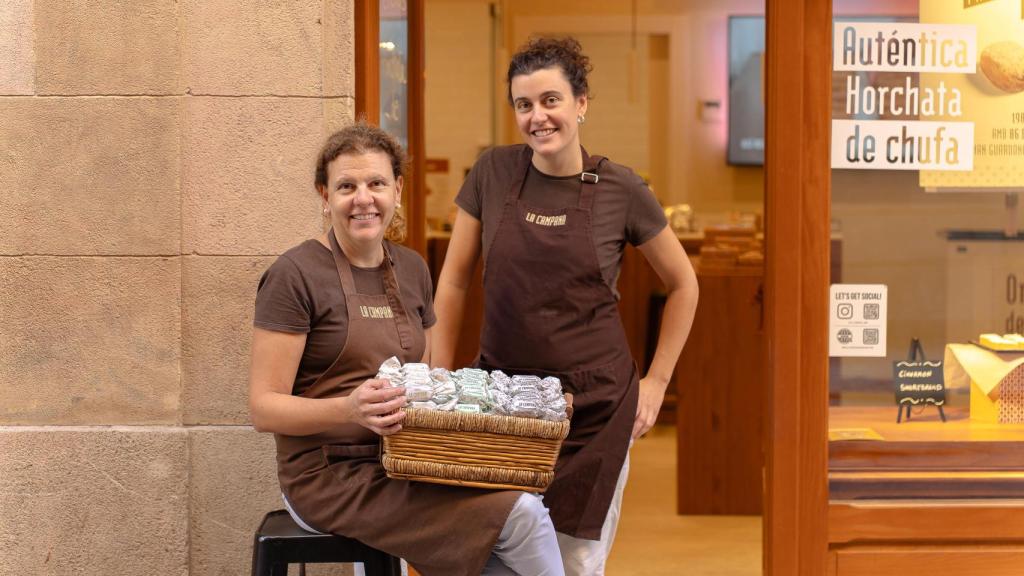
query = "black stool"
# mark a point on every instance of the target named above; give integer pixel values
(280, 542)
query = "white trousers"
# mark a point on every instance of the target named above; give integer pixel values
(527, 545)
(588, 557)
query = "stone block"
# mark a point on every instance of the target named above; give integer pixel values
(89, 340)
(93, 501)
(90, 176)
(107, 47)
(247, 174)
(338, 113)
(17, 75)
(233, 484)
(216, 328)
(239, 48)
(339, 49)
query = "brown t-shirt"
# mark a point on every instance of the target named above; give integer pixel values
(301, 293)
(630, 213)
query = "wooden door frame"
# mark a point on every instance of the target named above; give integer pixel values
(367, 53)
(797, 205)
(367, 105)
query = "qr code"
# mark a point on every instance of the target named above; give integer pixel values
(871, 311)
(871, 336)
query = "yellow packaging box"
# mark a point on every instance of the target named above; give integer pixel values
(996, 381)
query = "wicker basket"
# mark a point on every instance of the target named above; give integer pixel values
(478, 450)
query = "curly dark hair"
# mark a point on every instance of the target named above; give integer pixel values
(361, 138)
(540, 53)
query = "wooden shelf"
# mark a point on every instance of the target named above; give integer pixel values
(924, 427)
(925, 458)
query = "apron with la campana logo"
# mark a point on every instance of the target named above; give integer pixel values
(334, 480)
(549, 312)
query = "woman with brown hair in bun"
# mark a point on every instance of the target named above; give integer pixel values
(328, 313)
(552, 222)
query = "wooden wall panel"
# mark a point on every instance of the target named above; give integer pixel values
(937, 521)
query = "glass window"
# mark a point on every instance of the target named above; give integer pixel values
(394, 63)
(926, 378)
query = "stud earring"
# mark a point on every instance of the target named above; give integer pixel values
(581, 119)
(326, 211)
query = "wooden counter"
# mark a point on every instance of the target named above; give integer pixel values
(721, 398)
(930, 498)
(959, 458)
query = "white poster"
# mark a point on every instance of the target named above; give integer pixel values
(896, 145)
(857, 320)
(907, 124)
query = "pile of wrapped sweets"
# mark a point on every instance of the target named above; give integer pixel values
(474, 390)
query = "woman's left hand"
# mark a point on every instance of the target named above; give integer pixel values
(652, 394)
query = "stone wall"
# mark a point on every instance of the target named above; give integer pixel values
(155, 155)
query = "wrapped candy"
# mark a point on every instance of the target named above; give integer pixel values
(390, 370)
(473, 390)
(526, 406)
(446, 403)
(416, 379)
(443, 383)
(501, 402)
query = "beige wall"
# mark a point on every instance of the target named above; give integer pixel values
(156, 156)
(458, 100)
(656, 131)
(697, 69)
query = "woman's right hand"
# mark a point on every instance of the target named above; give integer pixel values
(375, 405)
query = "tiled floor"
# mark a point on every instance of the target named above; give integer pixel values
(654, 541)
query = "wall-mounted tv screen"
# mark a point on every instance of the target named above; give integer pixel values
(746, 90)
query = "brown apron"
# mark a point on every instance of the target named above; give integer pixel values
(550, 312)
(334, 480)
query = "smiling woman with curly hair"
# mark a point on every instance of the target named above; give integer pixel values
(551, 222)
(328, 313)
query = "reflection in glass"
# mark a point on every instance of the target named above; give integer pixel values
(394, 60)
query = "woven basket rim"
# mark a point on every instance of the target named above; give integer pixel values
(493, 423)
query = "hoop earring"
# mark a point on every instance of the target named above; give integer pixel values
(581, 119)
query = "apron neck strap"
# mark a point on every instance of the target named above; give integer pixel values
(348, 283)
(589, 176)
(391, 288)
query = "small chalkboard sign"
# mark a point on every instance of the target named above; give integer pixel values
(918, 382)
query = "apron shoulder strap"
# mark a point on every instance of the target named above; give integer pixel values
(591, 178)
(591, 167)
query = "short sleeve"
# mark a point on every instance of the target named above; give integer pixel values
(645, 217)
(283, 301)
(470, 197)
(428, 316)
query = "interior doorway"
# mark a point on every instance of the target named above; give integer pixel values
(661, 90)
